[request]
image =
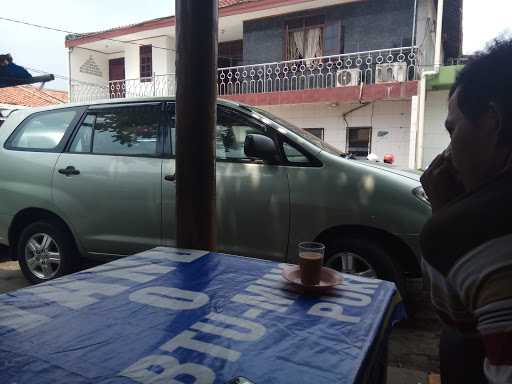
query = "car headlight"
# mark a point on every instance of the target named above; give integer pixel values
(419, 192)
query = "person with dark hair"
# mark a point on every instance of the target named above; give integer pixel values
(10, 73)
(467, 244)
(4, 60)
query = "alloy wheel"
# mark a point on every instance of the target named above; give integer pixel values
(42, 255)
(351, 263)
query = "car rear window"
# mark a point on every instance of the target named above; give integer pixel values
(43, 130)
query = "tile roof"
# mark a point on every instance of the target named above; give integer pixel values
(222, 4)
(31, 96)
(229, 3)
(74, 36)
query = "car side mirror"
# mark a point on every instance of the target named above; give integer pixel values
(261, 147)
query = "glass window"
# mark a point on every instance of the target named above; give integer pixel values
(170, 127)
(293, 155)
(146, 62)
(43, 131)
(82, 141)
(317, 132)
(304, 37)
(130, 131)
(334, 38)
(173, 134)
(230, 53)
(359, 141)
(300, 132)
(230, 134)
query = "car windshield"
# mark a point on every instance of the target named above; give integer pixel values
(301, 132)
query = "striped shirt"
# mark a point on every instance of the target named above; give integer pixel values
(477, 295)
(467, 257)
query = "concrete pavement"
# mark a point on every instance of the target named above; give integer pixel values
(11, 277)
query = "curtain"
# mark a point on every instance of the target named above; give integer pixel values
(296, 45)
(313, 44)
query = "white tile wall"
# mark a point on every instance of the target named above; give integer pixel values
(392, 117)
(435, 138)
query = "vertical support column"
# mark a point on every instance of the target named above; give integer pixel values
(413, 132)
(439, 35)
(421, 121)
(196, 73)
(71, 93)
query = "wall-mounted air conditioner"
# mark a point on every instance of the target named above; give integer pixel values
(391, 72)
(347, 77)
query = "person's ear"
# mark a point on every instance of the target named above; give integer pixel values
(494, 118)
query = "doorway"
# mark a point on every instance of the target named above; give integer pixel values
(116, 84)
(359, 140)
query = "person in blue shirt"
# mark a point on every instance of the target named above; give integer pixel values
(10, 73)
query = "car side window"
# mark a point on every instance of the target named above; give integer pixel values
(230, 133)
(43, 131)
(293, 155)
(83, 139)
(171, 109)
(126, 130)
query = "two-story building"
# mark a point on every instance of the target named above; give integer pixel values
(346, 70)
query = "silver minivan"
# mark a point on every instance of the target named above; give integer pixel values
(96, 180)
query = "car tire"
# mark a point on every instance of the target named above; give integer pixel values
(39, 247)
(367, 251)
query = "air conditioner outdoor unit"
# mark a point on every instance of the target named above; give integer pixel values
(347, 77)
(391, 72)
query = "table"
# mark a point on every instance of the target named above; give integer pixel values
(182, 316)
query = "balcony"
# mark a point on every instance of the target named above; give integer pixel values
(382, 66)
(395, 65)
(157, 85)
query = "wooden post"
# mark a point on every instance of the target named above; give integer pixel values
(196, 94)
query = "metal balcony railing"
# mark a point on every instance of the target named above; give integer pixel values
(157, 85)
(351, 69)
(370, 67)
(83, 92)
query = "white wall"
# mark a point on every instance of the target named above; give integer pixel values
(392, 117)
(84, 89)
(436, 137)
(79, 57)
(163, 60)
(163, 63)
(89, 75)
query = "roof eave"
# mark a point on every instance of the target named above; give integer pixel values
(145, 26)
(236, 9)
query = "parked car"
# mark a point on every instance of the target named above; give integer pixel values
(96, 180)
(4, 113)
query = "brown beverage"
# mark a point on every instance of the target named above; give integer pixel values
(310, 264)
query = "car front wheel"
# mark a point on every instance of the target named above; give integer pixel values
(45, 250)
(364, 257)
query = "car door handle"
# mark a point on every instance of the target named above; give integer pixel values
(69, 170)
(170, 177)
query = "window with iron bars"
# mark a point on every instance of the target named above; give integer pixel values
(146, 62)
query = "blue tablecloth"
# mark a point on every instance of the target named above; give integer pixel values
(177, 316)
